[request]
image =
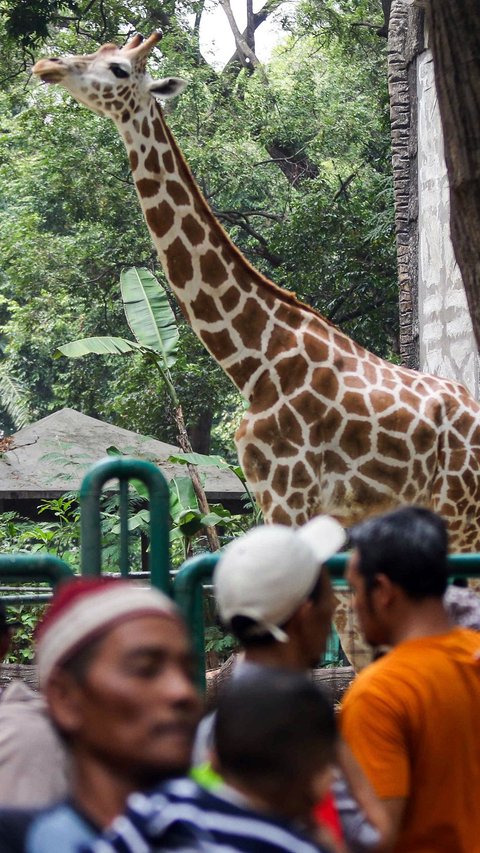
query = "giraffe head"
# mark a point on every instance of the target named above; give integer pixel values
(113, 81)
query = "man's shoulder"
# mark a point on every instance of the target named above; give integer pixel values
(59, 828)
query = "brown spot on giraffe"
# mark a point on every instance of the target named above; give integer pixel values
(212, 269)
(205, 308)
(214, 239)
(152, 163)
(192, 230)
(391, 447)
(392, 476)
(266, 394)
(307, 406)
(243, 370)
(331, 424)
(280, 342)
(160, 218)
(282, 448)
(291, 372)
(356, 439)
(146, 128)
(332, 461)
(317, 350)
(243, 277)
(230, 298)
(325, 381)
(179, 263)
(133, 157)
(279, 516)
(295, 500)
(168, 162)
(148, 187)
(290, 426)
(266, 429)
(396, 421)
(280, 479)
(250, 324)
(220, 344)
(256, 463)
(159, 132)
(177, 193)
(301, 478)
(287, 314)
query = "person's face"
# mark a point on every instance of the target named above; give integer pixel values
(136, 708)
(365, 604)
(317, 619)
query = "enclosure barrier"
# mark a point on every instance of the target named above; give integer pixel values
(40, 568)
(189, 581)
(124, 469)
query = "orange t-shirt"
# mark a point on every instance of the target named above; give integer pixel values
(412, 720)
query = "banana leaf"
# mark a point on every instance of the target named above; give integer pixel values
(149, 314)
(99, 346)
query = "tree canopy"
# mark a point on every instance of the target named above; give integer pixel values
(292, 155)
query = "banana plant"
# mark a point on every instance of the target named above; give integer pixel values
(153, 325)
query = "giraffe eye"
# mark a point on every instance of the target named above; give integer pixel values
(118, 70)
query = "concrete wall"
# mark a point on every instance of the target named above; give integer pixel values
(435, 328)
(446, 342)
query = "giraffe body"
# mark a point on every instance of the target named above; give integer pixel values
(330, 427)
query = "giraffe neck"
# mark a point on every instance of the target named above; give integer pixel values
(242, 318)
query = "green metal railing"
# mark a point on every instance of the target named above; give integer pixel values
(198, 571)
(124, 469)
(32, 568)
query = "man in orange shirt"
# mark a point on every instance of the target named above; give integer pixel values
(412, 718)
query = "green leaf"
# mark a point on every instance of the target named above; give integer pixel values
(199, 459)
(99, 346)
(182, 497)
(149, 314)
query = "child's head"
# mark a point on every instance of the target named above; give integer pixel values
(275, 740)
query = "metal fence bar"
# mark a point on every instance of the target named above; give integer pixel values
(124, 468)
(189, 581)
(44, 568)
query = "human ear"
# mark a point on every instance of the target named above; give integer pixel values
(63, 696)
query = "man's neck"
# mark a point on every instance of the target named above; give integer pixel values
(427, 618)
(101, 793)
(281, 655)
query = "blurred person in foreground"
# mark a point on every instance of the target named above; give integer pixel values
(411, 718)
(116, 669)
(34, 768)
(274, 745)
(274, 593)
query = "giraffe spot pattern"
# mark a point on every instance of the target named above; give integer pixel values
(230, 299)
(212, 270)
(243, 370)
(168, 162)
(220, 344)
(133, 157)
(148, 187)
(160, 218)
(205, 308)
(193, 230)
(177, 193)
(250, 324)
(152, 163)
(159, 132)
(179, 263)
(292, 373)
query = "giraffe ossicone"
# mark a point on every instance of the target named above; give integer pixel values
(331, 428)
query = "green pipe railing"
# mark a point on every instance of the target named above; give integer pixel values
(29, 568)
(124, 469)
(189, 581)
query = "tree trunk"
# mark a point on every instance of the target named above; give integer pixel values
(454, 36)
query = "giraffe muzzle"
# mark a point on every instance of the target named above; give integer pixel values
(50, 70)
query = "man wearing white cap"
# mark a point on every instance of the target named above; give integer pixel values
(274, 594)
(115, 665)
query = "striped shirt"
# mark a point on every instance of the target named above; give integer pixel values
(182, 816)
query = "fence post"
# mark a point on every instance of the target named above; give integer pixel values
(124, 469)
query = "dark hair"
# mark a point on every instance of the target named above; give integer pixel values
(409, 546)
(271, 724)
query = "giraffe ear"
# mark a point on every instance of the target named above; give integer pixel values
(167, 88)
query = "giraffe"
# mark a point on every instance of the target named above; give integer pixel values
(330, 428)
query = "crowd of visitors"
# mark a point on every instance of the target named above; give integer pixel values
(113, 757)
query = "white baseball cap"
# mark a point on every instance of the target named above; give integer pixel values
(267, 573)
